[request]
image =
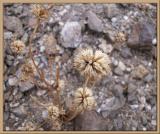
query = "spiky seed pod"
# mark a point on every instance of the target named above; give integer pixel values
(40, 12)
(27, 71)
(83, 99)
(92, 64)
(53, 112)
(17, 47)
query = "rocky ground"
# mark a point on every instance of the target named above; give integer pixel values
(126, 99)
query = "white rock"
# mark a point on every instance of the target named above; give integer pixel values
(107, 48)
(12, 81)
(153, 122)
(134, 106)
(8, 35)
(51, 20)
(71, 34)
(144, 129)
(148, 107)
(149, 64)
(154, 41)
(62, 12)
(114, 19)
(45, 114)
(114, 61)
(122, 66)
(41, 92)
(125, 17)
(7, 128)
(98, 110)
(42, 49)
(128, 69)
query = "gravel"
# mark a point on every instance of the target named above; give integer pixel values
(126, 98)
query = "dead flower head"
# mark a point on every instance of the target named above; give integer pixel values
(17, 46)
(40, 12)
(120, 37)
(53, 112)
(27, 71)
(92, 64)
(83, 99)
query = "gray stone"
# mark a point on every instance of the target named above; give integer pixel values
(117, 105)
(122, 66)
(148, 78)
(25, 86)
(154, 122)
(141, 36)
(144, 119)
(25, 38)
(9, 62)
(110, 35)
(126, 53)
(131, 87)
(94, 22)
(71, 35)
(13, 24)
(118, 123)
(41, 92)
(12, 81)
(114, 62)
(114, 19)
(107, 48)
(89, 120)
(20, 111)
(8, 35)
(154, 41)
(111, 10)
(10, 57)
(113, 104)
(118, 71)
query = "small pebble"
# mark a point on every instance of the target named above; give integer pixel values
(42, 49)
(149, 64)
(154, 41)
(45, 114)
(114, 19)
(12, 81)
(134, 106)
(153, 122)
(125, 17)
(7, 128)
(144, 129)
(128, 69)
(115, 62)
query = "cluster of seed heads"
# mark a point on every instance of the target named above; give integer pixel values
(120, 37)
(83, 99)
(27, 71)
(53, 112)
(40, 12)
(17, 47)
(92, 64)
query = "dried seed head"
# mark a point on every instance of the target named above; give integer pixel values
(30, 126)
(17, 46)
(120, 37)
(28, 70)
(53, 112)
(40, 12)
(83, 99)
(92, 64)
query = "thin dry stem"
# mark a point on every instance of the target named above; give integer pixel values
(57, 86)
(31, 55)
